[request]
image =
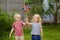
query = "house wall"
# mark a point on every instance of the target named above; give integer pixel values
(9, 5)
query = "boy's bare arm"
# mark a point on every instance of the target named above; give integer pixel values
(11, 32)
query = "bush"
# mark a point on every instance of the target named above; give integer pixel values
(5, 21)
(35, 9)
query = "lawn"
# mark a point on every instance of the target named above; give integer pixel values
(51, 32)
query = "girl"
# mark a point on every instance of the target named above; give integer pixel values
(36, 27)
(17, 28)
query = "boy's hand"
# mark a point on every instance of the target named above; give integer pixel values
(11, 32)
(9, 35)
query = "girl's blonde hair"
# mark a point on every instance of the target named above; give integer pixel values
(17, 16)
(38, 16)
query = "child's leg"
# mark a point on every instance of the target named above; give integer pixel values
(38, 37)
(33, 37)
(21, 37)
(17, 38)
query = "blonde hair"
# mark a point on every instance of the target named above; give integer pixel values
(38, 16)
(17, 16)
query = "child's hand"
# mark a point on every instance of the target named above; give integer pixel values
(41, 36)
(11, 32)
(9, 35)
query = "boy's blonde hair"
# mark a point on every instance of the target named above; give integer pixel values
(17, 16)
(39, 18)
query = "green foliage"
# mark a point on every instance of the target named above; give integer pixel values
(5, 21)
(50, 32)
(28, 1)
(33, 1)
(35, 9)
(36, 6)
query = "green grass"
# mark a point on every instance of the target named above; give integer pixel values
(51, 32)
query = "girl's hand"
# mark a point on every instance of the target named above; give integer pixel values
(41, 31)
(41, 35)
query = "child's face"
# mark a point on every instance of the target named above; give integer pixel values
(35, 19)
(18, 17)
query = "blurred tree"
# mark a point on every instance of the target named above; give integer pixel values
(57, 2)
(33, 1)
(36, 6)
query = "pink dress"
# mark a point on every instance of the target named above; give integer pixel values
(18, 28)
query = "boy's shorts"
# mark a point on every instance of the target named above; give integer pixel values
(19, 38)
(36, 37)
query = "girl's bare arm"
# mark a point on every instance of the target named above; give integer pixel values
(41, 32)
(27, 21)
